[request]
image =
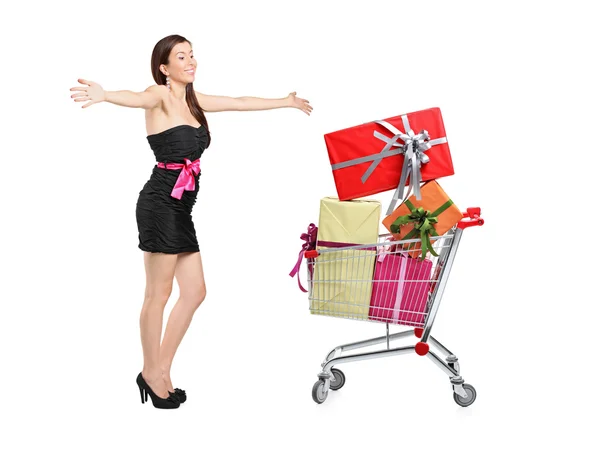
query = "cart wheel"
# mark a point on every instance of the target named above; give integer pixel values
(318, 392)
(340, 379)
(471, 395)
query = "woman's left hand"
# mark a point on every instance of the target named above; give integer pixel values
(298, 102)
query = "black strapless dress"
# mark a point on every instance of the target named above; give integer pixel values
(164, 222)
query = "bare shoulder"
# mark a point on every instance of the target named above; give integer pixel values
(154, 96)
(159, 89)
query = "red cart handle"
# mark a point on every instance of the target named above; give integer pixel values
(471, 218)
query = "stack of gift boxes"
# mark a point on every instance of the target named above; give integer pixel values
(366, 279)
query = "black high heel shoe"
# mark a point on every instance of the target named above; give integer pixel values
(158, 402)
(180, 394)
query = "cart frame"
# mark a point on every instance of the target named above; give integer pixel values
(332, 378)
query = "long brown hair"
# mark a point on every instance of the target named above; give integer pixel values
(160, 55)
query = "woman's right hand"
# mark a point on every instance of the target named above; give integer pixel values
(92, 93)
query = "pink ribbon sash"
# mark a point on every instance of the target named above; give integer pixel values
(186, 180)
(310, 239)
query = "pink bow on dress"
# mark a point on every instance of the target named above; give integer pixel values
(186, 180)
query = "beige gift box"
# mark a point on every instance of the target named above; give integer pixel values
(343, 280)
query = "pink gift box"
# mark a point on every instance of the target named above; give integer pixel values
(400, 289)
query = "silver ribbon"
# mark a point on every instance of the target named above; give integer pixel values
(413, 148)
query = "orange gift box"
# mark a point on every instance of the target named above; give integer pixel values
(434, 205)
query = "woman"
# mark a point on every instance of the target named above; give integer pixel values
(178, 134)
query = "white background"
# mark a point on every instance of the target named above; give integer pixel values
(518, 90)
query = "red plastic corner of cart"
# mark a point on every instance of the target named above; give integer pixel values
(473, 212)
(422, 348)
(419, 332)
(471, 218)
(311, 254)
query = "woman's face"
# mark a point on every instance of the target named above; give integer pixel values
(182, 64)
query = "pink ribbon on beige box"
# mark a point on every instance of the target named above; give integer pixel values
(310, 241)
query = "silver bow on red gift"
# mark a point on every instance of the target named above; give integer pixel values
(414, 148)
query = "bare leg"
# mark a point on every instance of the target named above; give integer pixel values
(160, 269)
(192, 291)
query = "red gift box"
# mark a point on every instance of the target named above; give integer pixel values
(389, 154)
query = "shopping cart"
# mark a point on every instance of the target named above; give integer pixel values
(391, 282)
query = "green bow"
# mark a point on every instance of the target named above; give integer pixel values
(424, 225)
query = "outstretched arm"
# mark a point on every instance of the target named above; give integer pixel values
(148, 99)
(94, 93)
(212, 103)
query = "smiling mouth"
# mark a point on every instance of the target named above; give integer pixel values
(191, 71)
